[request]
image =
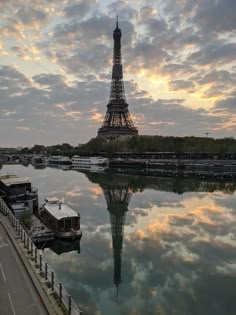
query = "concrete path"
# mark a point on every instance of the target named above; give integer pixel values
(17, 292)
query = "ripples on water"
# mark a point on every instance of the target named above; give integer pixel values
(149, 245)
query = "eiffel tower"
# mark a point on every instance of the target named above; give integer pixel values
(117, 121)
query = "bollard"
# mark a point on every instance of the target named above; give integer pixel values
(69, 304)
(52, 280)
(60, 292)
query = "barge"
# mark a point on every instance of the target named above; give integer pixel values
(60, 218)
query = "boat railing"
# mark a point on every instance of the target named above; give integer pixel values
(44, 270)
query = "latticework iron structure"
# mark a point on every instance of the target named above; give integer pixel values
(117, 121)
(117, 199)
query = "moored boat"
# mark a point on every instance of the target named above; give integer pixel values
(90, 168)
(59, 160)
(39, 160)
(18, 191)
(88, 160)
(60, 218)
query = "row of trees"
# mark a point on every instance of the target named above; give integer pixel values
(140, 144)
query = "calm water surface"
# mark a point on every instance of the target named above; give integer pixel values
(149, 245)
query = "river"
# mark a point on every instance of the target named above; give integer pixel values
(149, 245)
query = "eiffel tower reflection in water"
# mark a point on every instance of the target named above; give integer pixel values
(117, 195)
(118, 189)
(117, 199)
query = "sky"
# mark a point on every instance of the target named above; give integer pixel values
(179, 68)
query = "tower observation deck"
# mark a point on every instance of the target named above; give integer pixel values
(117, 121)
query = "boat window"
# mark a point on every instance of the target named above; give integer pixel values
(67, 224)
(74, 223)
(61, 225)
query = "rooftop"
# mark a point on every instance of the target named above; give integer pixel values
(58, 209)
(9, 180)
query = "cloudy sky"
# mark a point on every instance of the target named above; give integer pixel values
(56, 59)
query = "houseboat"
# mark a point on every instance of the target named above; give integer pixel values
(18, 193)
(88, 160)
(60, 218)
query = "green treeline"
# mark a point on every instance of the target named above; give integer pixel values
(140, 144)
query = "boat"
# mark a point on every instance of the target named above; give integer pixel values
(59, 160)
(60, 218)
(89, 168)
(88, 160)
(18, 193)
(25, 159)
(39, 160)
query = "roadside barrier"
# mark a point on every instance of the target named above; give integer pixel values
(46, 272)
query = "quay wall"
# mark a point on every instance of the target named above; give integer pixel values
(172, 167)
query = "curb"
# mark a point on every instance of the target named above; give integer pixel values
(36, 282)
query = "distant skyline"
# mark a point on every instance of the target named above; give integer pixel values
(179, 68)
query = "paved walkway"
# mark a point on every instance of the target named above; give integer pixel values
(17, 292)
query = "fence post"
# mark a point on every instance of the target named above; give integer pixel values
(21, 232)
(35, 255)
(60, 292)
(24, 238)
(46, 271)
(31, 248)
(52, 281)
(28, 243)
(40, 263)
(69, 304)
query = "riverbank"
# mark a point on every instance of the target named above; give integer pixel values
(177, 167)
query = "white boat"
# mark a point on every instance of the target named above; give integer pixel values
(59, 160)
(88, 160)
(90, 168)
(60, 218)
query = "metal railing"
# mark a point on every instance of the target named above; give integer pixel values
(46, 272)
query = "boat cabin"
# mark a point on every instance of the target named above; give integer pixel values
(63, 220)
(11, 185)
(18, 189)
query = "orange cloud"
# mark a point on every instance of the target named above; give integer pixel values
(75, 192)
(75, 115)
(98, 117)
